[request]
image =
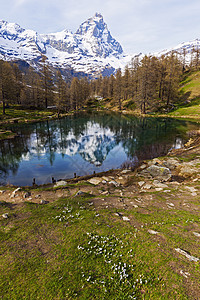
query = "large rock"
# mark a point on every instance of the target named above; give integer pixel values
(95, 180)
(154, 161)
(5, 216)
(15, 191)
(190, 257)
(60, 183)
(187, 170)
(27, 194)
(171, 163)
(79, 193)
(158, 184)
(159, 172)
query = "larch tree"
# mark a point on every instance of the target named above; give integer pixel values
(75, 93)
(18, 82)
(47, 81)
(118, 88)
(6, 83)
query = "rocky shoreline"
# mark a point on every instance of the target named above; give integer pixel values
(179, 168)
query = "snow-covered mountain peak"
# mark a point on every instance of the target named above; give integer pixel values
(96, 38)
(93, 26)
(10, 28)
(91, 49)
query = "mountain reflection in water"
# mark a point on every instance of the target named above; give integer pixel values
(85, 143)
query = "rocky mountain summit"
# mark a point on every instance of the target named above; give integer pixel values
(91, 49)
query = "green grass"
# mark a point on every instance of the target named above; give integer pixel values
(68, 250)
(192, 110)
(19, 112)
(190, 96)
(16, 113)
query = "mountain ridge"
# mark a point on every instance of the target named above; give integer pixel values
(91, 49)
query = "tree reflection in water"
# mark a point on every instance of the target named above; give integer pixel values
(84, 143)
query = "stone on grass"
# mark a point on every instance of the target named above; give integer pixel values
(194, 194)
(15, 191)
(105, 178)
(135, 205)
(160, 172)
(170, 204)
(141, 183)
(118, 214)
(79, 193)
(187, 171)
(190, 257)
(185, 274)
(124, 218)
(196, 179)
(191, 189)
(121, 180)
(105, 193)
(147, 186)
(5, 216)
(125, 171)
(196, 234)
(95, 180)
(154, 161)
(171, 163)
(158, 184)
(27, 194)
(142, 167)
(152, 231)
(44, 202)
(60, 183)
(114, 183)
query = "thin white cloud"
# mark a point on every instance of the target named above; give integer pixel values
(18, 3)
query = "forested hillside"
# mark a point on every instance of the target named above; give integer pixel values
(153, 84)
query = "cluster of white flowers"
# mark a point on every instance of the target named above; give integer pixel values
(68, 214)
(121, 273)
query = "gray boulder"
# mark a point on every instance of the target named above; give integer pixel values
(79, 193)
(159, 172)
(171, 163)
(44, 202)
(5, 216)
(187, 170)
(27, 194)
(60, 183)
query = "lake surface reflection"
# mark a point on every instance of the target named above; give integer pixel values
(85, 143)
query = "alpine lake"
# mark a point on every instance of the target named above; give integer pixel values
(86, 143)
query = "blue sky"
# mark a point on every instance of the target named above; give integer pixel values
(139, 25)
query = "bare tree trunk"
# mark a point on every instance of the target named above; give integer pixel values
(4, 107)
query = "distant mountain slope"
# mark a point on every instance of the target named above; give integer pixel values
(91, 50)
(184, 48)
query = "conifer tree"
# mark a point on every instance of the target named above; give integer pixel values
(62, 95)
(84, 90)
(18, 82)
(6, 83)
(118, 88)
(111, 83)
(75, 93)
(47, 81)
(126, 83)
